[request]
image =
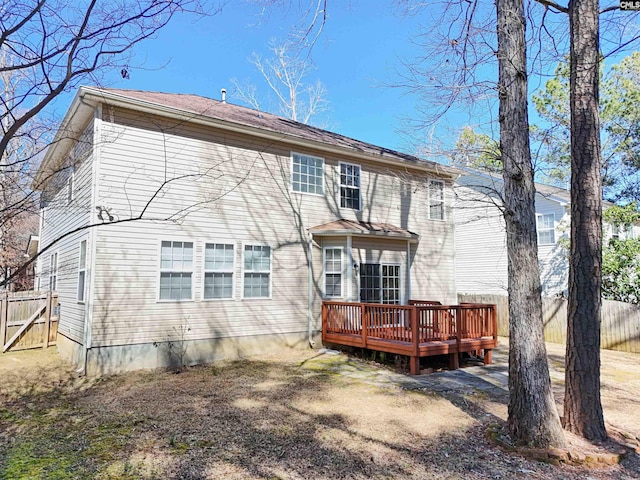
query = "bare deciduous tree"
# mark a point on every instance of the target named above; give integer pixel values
(48, 47)
(285, 73)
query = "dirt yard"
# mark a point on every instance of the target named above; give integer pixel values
(298, 415)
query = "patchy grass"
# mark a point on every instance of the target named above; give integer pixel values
(297, 415)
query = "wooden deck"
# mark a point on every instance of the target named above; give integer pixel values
(420, 329)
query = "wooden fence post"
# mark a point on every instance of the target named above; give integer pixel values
(4, 313)
(47, 325)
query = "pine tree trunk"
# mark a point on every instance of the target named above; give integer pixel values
(533, 417)
(582, 405)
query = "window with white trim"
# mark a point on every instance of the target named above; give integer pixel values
(333, 272)
(70, 189)
(218, 271)
(545, 225)
(390, 284)
(349, 186)
(307, 174)
(176, 270)
(82, 270)
(436, 200)
(53, 271)
(380, 283)
(257, 271)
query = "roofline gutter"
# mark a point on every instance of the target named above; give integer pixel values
(91, 94)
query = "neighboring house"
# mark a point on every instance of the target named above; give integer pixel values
(222, 228)
(480, 235)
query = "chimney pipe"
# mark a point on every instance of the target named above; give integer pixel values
(223, 92)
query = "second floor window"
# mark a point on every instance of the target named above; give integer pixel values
(307, 174)
(545, 224)
(70, 189)
(436, 200)
(350, 186)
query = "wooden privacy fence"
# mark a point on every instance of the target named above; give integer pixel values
(28, 320)
(620, 328)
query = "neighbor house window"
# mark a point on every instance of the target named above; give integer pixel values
(333, 272)
(257, 271)
(218, 270)
(436, 200)
(176, 270)
(349, 186)
(82, 270)
(53, 271)
(307, 174)
(545, 224)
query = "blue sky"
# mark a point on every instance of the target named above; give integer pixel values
(357, 53)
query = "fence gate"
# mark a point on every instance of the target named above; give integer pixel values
(28, 320)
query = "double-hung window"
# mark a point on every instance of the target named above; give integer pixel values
(53, 271)
(333, 272)
(70, 189)
(545, 224)
(218, 270)
(349, 186)
(257, 271)
(176, 270)
(307, 174)
(82, 270)
(436, 200)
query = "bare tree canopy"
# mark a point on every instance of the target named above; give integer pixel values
(48, 48)
(285, 73)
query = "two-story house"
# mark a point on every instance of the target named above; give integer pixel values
(176, 222)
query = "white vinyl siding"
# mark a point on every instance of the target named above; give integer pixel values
(176, 270)
(480, 238)
(259, 209)
(333, 272)
(307, 174)
(545, 225)
(436, 200)
(59, 217)
(257, 271)
(82, 271)
(218, 268)
(350, 186)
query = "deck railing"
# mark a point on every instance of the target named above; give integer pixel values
(431, 321)
(421, 328)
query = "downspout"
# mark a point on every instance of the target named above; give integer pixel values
(310, 293)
